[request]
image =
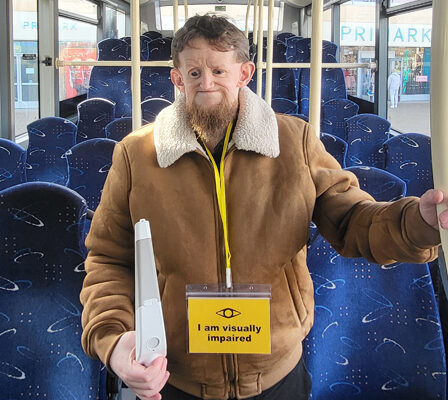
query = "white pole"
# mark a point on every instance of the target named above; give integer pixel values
(260, 48)
(246, 30)
(439, 105)
(186, 9)
(135, 65)
(255, 26)
(269, 53)
(316, 65)
(175, 15)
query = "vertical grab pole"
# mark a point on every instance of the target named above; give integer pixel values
(260, 48)
(135, 65)
(269, 53)
(438, 107)
(316, 65)
(255, 27)
(175, 15)
(246, 30)
(186, 9)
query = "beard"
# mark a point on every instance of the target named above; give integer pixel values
(211, 122)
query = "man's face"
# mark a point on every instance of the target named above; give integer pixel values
(208, 77)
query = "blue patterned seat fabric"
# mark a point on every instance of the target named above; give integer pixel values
(283, 36)
(284, 106)
(12, 164)
(144, 48)
(382, 185)
(377, 331)
(409, 156)
(151, 107)
(42, 270)
(336, 146)
(152, 35)
(366, 134)
(93, 116)
(155, 81)
(335, 114)
(119, 128)
(112, 83)
(49, 139)
(89, 163)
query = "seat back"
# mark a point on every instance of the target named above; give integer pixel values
(335, 114)
(366, 134)
(377, 330)
(409, 156)
(382, 185)
(336, 146)
(12, 164)
(152, 35)
(113, 50)
(119, 128)
(42, 270)
(283, 36)
(284, 106)
(156, 81)
(49, 139)
(152, 107)
(144, 47)
(93, 116)
(89, 163)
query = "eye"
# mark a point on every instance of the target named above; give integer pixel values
(194, 74)
(228, 312)
(218, 71)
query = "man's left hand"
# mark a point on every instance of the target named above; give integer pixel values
(428, 210)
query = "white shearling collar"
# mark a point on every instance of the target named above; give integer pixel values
(256, 129)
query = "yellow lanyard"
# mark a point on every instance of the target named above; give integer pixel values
(221, 196)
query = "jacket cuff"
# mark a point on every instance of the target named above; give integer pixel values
(104, 341)
(418, 231)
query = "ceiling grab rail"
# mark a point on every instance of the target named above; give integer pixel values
(259, 34)
(255, 25)
(246, 29)
(438, 114)
(135, 65)
(269, 53)
(316, 65)
(186, 9)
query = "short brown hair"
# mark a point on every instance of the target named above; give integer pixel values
(217, 30)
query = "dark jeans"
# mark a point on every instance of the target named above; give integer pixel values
(294, 386)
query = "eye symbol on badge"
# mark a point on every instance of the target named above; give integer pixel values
(228, 313)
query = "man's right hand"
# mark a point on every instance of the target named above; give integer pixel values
(145, 382)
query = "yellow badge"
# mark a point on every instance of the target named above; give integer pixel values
(237, 324)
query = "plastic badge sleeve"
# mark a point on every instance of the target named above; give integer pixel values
(149, 324)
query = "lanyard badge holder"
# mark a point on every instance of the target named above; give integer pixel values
(228, 318)
(150, 341)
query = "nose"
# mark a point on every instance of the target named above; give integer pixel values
(207, 81)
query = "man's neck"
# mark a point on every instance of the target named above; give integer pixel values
(211, 141)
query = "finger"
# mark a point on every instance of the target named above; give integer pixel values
(443, 218)
(159, 381)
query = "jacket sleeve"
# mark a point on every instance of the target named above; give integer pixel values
(358, 226)
(108, 290)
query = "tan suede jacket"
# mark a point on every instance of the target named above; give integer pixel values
(278, 178)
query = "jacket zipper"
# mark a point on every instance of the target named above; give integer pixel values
(230, 359)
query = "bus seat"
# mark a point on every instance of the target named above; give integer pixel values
(118, 128)
(112, 49)
(144, 47)
(156, 81)
(49, 139)
(409, 156)
(42, 270)
(366, 134)
(335, 113)
(284, 106)
(93, 116)
(152, 107)
(382, 185)
(12, 164)
(152, 34)
(336, 146)
(377, 331)
(89, 163)
(114, 84)
(283, 36)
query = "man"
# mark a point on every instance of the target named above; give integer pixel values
(394, 84)
(278, 178)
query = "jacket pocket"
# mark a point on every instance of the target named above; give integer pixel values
(300, 288)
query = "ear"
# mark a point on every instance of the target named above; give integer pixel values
(246, 71)
(176, 78)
